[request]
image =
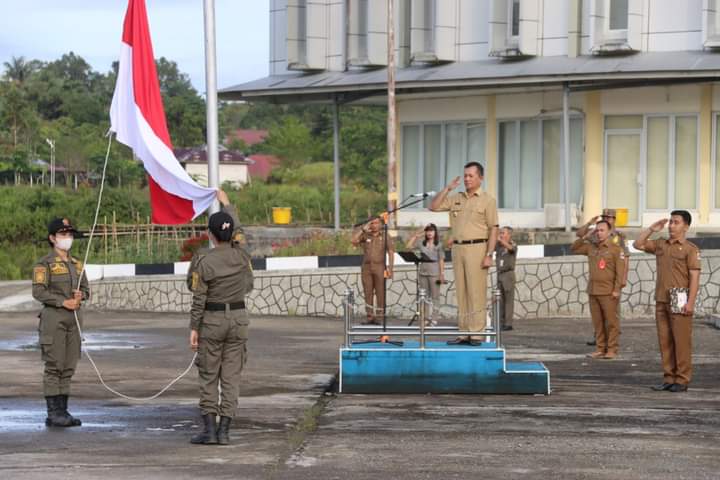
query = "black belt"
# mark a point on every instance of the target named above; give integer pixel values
(469, 242)
(221, 307)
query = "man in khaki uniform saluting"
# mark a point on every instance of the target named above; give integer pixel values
(606, 263)
(372, 273)
(678, 267)
(474, 224)
(616, 237)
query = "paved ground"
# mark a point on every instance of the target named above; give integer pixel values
(601, 422)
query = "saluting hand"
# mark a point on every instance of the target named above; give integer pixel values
(659, 225)
(454, 184)
(594, 220)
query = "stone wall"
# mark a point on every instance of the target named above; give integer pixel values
(545, 287)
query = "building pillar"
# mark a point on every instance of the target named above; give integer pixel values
(491, 156)
(705, 172)
(593, 194)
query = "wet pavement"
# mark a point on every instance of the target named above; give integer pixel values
(601, 421)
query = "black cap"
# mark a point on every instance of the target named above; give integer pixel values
(221, 225)
(58, 225)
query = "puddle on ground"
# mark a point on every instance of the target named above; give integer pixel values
(93, 342)
(34, 420)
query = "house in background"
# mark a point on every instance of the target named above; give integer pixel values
(249, 137)
(261, 164)
(233, 166)
(484, 80)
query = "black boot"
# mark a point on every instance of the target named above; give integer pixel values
(223, 431)
(209, 435)
(55, 416)
(74, 422)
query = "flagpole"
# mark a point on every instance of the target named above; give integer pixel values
(211, 99)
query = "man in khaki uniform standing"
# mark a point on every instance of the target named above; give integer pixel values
(678, 267)
(372, 273)
(474, 224)
(55, 285)
(505, 257)
(219, 280)
(606, 263)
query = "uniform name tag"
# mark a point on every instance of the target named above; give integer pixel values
(59, 269)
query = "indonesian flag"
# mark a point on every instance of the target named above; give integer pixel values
(138, 119)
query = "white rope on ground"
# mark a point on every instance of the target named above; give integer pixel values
(77, 320)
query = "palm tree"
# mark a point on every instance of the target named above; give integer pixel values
(18, 69)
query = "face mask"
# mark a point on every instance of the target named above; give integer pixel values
(64, 243)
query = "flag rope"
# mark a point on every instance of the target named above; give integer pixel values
(77, 320)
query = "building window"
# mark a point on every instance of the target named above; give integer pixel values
(531, 172)
(717, 161)
(617, 15)
(513, 21)
(672, 162)
(435, 153)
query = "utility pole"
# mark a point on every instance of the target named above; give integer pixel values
(52, 161)
(211, 99)
(391, 115)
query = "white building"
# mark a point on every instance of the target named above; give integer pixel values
(484, 80)
(233, 166)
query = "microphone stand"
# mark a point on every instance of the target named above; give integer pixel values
(383, 217)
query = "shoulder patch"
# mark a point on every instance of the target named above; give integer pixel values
(40, 275)
(194, 281)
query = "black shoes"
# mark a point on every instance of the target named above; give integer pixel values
(56, 413)
(662, 387)
(506, 328)
(63, 402)
(591, 343)
(223, 431)
(670, 387)
(459, 341)
(209, 436)
(475, 343)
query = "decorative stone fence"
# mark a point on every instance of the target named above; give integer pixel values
(551, 286)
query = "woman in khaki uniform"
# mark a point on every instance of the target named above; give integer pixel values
(219, 279)
(55, 285)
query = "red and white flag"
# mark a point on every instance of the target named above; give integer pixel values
(137, 117)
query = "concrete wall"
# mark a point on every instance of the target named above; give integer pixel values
(545, 287)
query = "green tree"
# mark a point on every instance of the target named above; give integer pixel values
(292, 141)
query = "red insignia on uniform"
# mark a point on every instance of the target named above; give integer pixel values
(602, 264)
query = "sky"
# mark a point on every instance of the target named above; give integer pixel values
(45, 29)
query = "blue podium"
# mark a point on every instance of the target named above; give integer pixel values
(437, 368)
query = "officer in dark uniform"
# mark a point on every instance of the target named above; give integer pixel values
(220, 279)
(505, 257)
(55, 285)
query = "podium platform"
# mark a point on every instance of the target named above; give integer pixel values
(438, 368)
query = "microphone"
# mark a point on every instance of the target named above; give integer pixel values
(431, 193)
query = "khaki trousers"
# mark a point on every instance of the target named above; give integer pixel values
(603, 310)
(506, 283)
(60, 347)
(470, 285)
(373, 281)
(675, 339)
(222, 354)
